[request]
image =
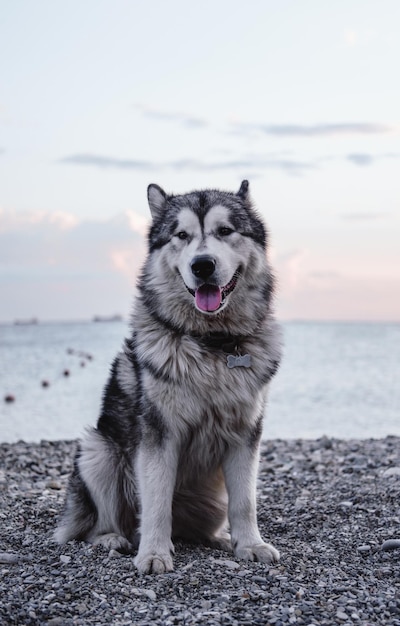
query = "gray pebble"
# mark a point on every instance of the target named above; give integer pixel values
(259, 579)
(391, 471)
(243, 573)
(321, 545)
(390, 544)
(364, 549)
(9, 557)
(227, 563)
(150, 594)
(65, 558)
(342, 616)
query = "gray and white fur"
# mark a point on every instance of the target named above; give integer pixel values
(175, 450)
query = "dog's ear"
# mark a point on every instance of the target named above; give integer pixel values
(243, 192)
(156, 197)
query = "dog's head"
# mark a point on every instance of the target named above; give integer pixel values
(207, 238)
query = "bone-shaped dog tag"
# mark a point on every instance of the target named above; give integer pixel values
(239, 361)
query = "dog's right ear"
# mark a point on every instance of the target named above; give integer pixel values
(243, 192)
(156, 197)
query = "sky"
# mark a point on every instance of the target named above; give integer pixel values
(100, 98)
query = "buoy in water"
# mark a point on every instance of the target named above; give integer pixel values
(9, 398)
(45, 383)
(66, 373)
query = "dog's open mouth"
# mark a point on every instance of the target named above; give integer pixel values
(210, 298)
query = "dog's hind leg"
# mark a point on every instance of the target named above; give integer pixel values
(101, 503)
(109, 475)
(200, 512)
(113, 541)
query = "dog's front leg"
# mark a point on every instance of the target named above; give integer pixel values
(240, 470)
(156, 472)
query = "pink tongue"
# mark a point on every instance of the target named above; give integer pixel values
(208, 297)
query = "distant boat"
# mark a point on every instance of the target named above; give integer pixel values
(27, 322)
(107, 318)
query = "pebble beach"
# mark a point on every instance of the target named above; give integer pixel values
(331, 507)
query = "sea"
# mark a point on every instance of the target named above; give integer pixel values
(336, 379)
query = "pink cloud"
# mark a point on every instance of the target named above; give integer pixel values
(53, 265)
(330, 296)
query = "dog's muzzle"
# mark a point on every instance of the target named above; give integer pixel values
(210, 297)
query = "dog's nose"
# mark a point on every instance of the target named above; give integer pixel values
(203, 266)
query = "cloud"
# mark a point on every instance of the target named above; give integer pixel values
(46, 245)
(290, 166)
(257, 162)
(350, 38)
(361, 159)
(181, 118)
(290, 268)
(313, 130)
(106, 162)
(30, 221)
(55, 266)
(324, 278)
(365, 216)
(354, 38)
(275, 130)
(341, 298)
(307, 291)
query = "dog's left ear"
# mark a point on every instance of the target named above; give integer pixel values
(243, 192)
(156, 197)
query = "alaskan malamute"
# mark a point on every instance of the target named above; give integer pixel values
(175, 451)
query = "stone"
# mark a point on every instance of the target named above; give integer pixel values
(390, 544)
(9, 557)
(364, 549)
(391, 471)
(65, 558)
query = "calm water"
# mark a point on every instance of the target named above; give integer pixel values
(337, 379)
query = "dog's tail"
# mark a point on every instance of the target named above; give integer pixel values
(80, 514)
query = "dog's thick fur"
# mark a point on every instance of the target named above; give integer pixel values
(175, 451)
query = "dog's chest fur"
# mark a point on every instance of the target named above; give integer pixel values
(202, 401)
(204, 404)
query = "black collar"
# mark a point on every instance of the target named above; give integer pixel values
(220, 341)
(229, 344)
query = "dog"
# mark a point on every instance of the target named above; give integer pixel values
(175, 450)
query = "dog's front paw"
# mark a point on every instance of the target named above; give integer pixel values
(262, 552)
(151, 563)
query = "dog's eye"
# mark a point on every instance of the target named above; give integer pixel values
(182, 235)
(224, 231)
